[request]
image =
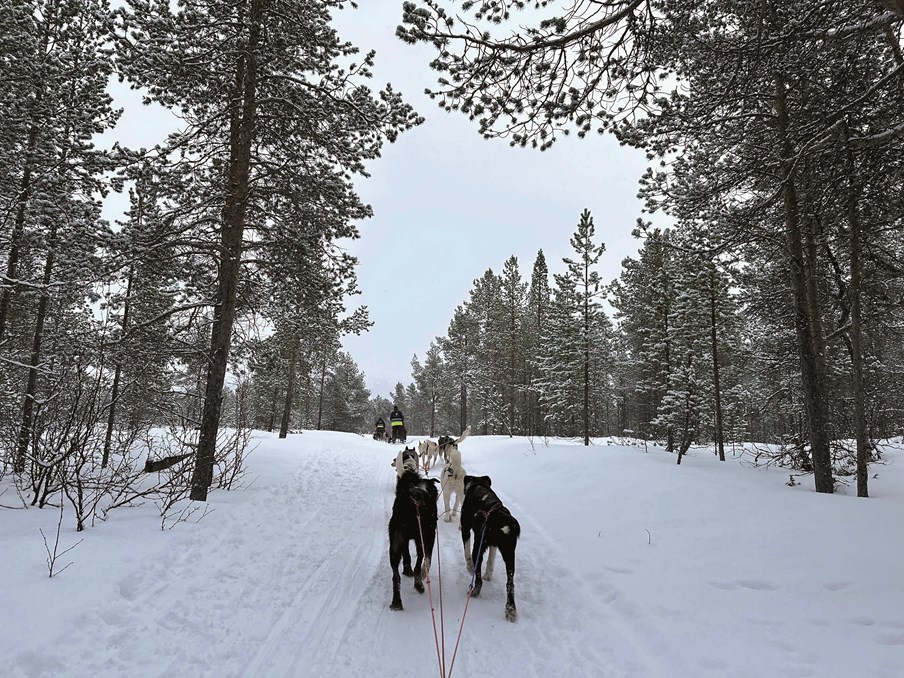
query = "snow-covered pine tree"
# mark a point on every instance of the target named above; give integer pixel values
(459, 354)
(266, 90)
(430, 380)
(53, 188)
(643, 296)
(558, 364)
(513, 302)
(488, 374)
(346, 396)
(140, 305)
(539, 299)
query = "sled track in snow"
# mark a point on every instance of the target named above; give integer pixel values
(296, 583)
(310, 631)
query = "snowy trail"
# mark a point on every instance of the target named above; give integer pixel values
(309, 632)
(625, 569)
(296, 582)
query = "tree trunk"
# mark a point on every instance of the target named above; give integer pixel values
(241, 132)
(12, 262)
(586, 375)
(670, 430)
(114, 393)
(720, 438)
(463, 422)
(272, 421)
(863, 446)
(290, 391)
(28, 403)
(320, 395)
(805, 306)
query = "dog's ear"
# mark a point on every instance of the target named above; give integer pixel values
(489, 481)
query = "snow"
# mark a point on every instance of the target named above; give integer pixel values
(628, 565)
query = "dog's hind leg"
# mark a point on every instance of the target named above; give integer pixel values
(447, 495)
(491, 559)
(406, 560)
(466, 541)
(508, 555)
(479, 550)
(459, 490)
(395, 555)
(430, 539)
(418, 567)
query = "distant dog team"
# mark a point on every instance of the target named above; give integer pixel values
(414, 516)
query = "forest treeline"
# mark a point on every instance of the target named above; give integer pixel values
(228, 258)
(775, 133)
(770, 311)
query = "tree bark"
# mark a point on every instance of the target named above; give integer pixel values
(805, 306)
(12, 261)
(720, 438)
(320, 395)
(290, 391)
(271, 422)
(241, 130)
(586, 399)
(463, 396)
(28, 403)
(853, 215)
(114, 392)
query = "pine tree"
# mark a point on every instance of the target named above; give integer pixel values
(429, 381)
(588, 295)
(346, 397)
(459, 353)
(488, 371)
(643, 297)
(513, 304)
(261, 87)
(55, 183)
(538, 304)
(559, 363)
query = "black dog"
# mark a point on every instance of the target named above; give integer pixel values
(415, 498)
(494, 527)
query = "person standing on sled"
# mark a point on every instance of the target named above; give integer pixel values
(397, 422)
(381, 428)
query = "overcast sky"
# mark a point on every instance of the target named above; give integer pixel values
(449, 204)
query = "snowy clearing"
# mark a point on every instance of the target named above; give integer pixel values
(627, 566)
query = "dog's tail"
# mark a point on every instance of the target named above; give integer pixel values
(462, 437)
(455, 460)
(511, 527)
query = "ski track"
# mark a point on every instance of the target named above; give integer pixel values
(321, 608)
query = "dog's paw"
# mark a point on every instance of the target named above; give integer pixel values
(396, 605)
(488, 576)
(418, 586)
(511, 614)
(448, 518)
(408, 572)
(475, 592)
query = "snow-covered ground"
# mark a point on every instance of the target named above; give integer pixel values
(627, 566)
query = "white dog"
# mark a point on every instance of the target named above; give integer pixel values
(428, 451)
(453, 478)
